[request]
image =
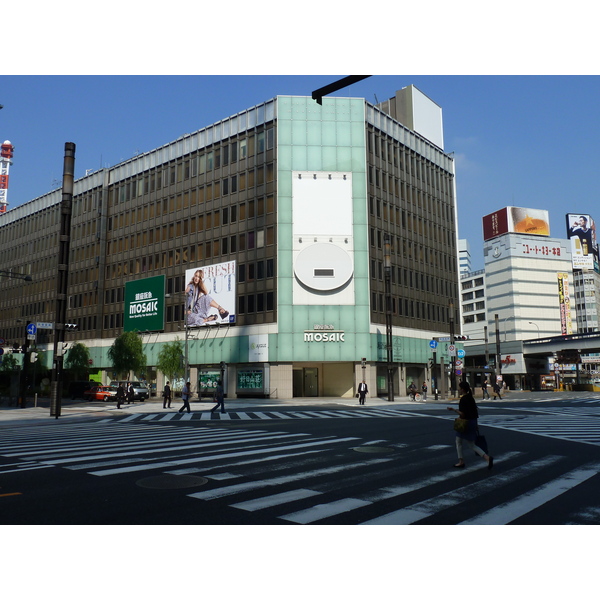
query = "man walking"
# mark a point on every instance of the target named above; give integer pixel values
(167, 396)
(185, 396)
(484, 390)
(363, 390)
(219, 397)
(120, 395)
(130, 393)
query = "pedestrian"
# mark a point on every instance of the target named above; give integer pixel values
(167, 396)
(424, 391)
(467, 409)
(484, 390)
(412, 391)
(185, 396)
(363, 390)
(130, 393)
(219, 397)
(497, 391)
(120, 395)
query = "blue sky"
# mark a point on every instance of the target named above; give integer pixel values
(529, 141)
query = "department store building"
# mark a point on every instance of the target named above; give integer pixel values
(285, 207)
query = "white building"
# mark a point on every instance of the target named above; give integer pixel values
(473, 304)
(464, 257)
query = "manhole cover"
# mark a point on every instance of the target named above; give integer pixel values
(171, 482)
(373, 449)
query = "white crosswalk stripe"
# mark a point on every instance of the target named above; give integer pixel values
(283, 477)
(264, 415)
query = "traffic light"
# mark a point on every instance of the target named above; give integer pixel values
(33, 356)
(461, 338)
(71, 326)
(16, 349)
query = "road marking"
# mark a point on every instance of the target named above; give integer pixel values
(275, 499)
(509, 511)
(322, 511)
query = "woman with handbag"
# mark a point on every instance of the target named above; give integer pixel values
(466, 426)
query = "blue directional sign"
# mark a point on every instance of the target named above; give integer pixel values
(433, 344)
(460, 353)
(31, 329)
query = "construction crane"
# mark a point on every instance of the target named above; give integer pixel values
(6, 153)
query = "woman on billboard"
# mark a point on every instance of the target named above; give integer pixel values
(198, 302)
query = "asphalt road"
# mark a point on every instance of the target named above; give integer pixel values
(323, 462)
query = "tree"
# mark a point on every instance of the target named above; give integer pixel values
(9, 363)
(127, 354)
(170, 360)
(78, 361)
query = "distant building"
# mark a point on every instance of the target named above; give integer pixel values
(464, 257)
(473, 304)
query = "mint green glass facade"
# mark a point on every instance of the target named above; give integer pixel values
(323, 138)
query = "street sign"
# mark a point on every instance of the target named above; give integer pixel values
(433, 344)
(460, 353)
(45, 325)
(458, 363)
(2, 341)
(31, 329)
(443, 339)
(458, 372)
(451, 350)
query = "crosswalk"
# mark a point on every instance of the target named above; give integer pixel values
(301, 478)
(258, 415)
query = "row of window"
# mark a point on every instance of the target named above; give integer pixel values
(204, 162)
(403, 307)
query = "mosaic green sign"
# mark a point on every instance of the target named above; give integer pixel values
(145, 304)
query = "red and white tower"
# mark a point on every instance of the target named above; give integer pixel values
(6, 153)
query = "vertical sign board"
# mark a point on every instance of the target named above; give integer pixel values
(144, 308)
(564, 301)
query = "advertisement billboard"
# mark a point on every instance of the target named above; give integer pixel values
(144, 308)
(581, 231)
(564, 302)
(210, 297)
(511, 219)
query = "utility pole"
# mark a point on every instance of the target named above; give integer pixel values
(62, 280)
(453, 357)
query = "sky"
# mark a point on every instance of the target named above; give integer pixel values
(527, 141)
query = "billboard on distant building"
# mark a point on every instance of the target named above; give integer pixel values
(210, 297)
(581, 230)
(145, 304)
(564, 302)
(511, 219)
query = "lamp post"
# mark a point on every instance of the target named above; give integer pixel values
(387, 270)
(538, 327)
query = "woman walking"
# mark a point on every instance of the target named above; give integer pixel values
(467, 409)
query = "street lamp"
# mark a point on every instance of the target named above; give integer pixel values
(538, 327)
(387, 270)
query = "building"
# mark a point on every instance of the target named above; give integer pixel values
(286, 207)
(464, 257)
(473, 304)
(526, 291)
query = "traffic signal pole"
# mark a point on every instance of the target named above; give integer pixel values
(62, 280)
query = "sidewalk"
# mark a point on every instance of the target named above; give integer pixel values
(81, 409)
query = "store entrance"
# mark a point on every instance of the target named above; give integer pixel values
(306, 382)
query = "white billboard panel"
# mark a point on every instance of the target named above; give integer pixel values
(210, 294)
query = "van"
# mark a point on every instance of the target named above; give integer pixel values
(140, 391)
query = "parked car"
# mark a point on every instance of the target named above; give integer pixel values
(78, 388)
(140, 391)
(99, 392)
